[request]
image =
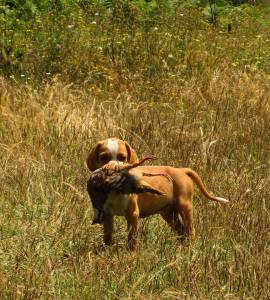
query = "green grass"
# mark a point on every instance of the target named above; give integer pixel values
(192, 95)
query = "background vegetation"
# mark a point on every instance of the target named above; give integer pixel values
(187, 81)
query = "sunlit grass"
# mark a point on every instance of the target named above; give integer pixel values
(180, 92)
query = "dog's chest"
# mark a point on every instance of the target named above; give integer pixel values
(117, 204)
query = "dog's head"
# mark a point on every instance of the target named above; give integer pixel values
(110, 150)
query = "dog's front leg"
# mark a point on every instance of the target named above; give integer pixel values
(132, 217)
(108, 229)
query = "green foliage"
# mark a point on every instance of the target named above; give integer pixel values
(37, 36)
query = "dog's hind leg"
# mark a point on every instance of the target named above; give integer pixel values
(185, 209)
(171, 216)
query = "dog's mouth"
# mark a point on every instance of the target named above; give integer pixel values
(98, 216)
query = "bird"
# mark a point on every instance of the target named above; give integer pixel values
(123, 179)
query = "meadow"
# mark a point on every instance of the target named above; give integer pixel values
(172, 84)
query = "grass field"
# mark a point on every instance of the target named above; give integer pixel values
(192, 95)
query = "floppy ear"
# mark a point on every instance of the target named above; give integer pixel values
(132, 156)
(92, 158)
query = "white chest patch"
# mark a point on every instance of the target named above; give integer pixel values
(113, 147)
(117, 204)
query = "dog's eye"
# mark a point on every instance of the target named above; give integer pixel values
(104, 158)
(121, 157)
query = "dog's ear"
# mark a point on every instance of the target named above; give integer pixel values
(92, 158)
(132, 156)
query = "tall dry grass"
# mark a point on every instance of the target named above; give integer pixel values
(50, 249)
(207, 110)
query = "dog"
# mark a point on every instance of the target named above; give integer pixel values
(111, 150)
(174, 203)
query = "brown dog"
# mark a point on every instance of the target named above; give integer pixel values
(105, 151)
(174, 205)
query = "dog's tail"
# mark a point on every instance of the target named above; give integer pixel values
(197, 179)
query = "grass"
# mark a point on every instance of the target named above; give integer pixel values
(184, 93)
